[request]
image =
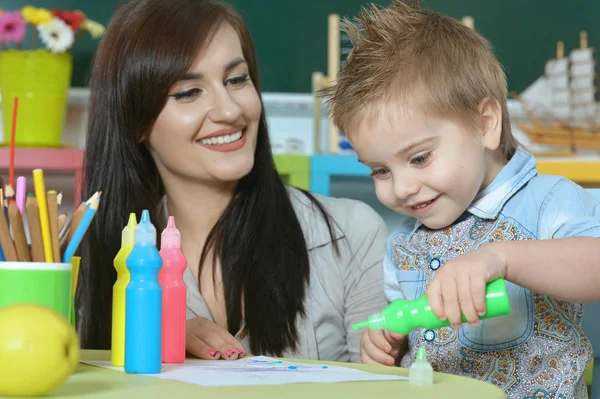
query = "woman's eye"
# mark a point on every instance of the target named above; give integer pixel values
(238, 80)
(186, 94)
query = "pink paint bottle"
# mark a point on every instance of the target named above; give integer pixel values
(174, 295)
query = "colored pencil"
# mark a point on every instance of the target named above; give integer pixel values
(76, 219)
(90, 212)
(62, 220)
(16, 222)
(3, 209)
(2, 258)
(35, 231)
(40, 195)
(53, 219)
(21, 193)
(74, 277)
(8, 248)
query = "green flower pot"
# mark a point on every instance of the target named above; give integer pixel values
(41, 80)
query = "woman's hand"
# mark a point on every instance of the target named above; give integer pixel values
(207, 340)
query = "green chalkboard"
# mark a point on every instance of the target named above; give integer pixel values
(524, 33)
(291, 35)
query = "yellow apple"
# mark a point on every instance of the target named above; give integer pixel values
(39, 349)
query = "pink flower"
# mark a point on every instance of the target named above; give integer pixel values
(12, 27)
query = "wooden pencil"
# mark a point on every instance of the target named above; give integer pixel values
(1, 192)
(16, 222)
(35, 229)
(9, 193)
(76, 219)
(62, 219)
(8, 248)
(51, 198)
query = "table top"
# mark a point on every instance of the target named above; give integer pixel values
(95, 382)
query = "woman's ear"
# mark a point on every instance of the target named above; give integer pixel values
(491, 126)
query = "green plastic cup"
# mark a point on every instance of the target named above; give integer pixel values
(47, 284)
(41, 80)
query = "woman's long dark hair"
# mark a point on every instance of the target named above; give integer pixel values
(147, 47)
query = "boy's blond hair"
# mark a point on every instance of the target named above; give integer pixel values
(417, 59)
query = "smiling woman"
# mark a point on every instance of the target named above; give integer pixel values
(177, 126)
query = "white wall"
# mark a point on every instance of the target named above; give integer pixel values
(289, 117)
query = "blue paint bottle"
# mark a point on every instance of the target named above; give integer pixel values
(143, 303)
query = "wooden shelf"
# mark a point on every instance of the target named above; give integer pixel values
(48, 159)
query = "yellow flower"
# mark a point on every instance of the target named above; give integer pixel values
(95, 29)
(36, 16)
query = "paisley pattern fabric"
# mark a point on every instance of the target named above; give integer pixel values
(537, 351)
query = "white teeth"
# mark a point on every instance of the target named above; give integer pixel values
(422, 205)
(226, 138)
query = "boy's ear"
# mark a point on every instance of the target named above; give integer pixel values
(491, 126)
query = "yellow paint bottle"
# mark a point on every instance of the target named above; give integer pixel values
(117, 355)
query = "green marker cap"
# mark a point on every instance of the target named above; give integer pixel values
(421, 354)
(362, 324)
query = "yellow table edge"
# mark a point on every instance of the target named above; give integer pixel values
(578, 171)
(94, 382)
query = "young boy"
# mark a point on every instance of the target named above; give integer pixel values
(422, 99)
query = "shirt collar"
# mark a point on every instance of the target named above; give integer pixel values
(514, 175)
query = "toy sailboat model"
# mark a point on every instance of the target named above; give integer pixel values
(567, 94)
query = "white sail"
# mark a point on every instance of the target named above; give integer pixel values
(557, 77)
(582, 86)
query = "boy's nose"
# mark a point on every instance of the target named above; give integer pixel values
(406, 188)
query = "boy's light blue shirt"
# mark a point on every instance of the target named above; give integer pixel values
(539, 348)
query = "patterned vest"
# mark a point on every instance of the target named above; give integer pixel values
(537, 351)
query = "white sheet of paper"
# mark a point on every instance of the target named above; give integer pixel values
(257, 370)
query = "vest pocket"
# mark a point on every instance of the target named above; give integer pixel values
(504, 332)
(411, 283)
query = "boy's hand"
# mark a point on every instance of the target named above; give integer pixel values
(380, 347)
(459, 285)
(207, 340)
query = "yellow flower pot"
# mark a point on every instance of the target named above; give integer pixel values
(41, 80)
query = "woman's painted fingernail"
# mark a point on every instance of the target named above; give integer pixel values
(213, 353)
(229, 353)
(240, 351)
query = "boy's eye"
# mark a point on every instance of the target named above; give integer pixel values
(420, 159)
(382, 172)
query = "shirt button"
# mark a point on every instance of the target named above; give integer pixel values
(435, 264)
(429, 335)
